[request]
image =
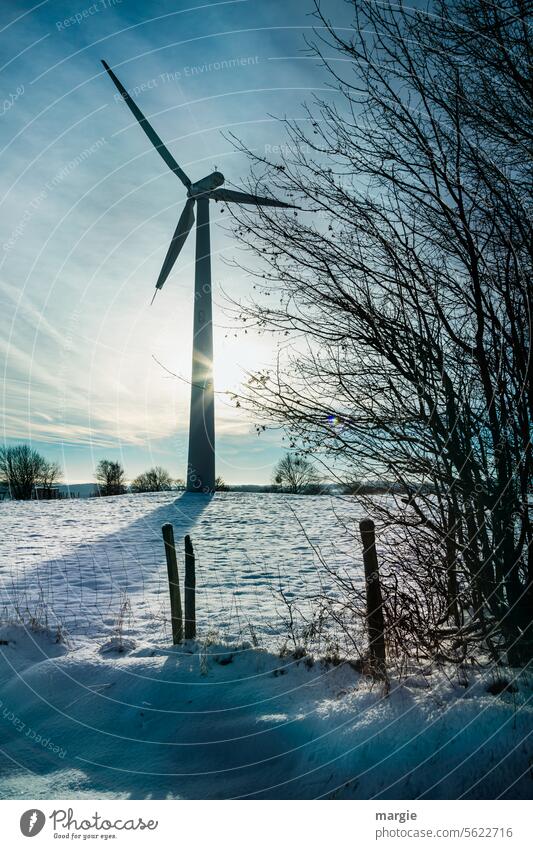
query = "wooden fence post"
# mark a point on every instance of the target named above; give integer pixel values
(173, 584)
(374, 601)
(190, 590)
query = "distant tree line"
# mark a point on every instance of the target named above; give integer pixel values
(22, 469)
(111, 480)
(24, 472)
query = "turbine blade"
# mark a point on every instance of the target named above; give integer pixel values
(178, 240)
(148, 129)
(243, 197)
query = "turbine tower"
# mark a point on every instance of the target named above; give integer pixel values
(201, 459)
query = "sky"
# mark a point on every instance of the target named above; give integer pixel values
(88, 209)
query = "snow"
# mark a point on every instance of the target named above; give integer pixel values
(95, 702)
(82, 561)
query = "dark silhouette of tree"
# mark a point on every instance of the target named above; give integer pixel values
(22, 468)
(156, 479)
(221, 485)
(50, 474)
(296, 474)
(110, 478)
(410, 282)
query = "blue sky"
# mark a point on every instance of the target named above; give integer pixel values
(88, 209)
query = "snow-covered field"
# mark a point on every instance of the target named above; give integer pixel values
(114, 710)
(78, 563)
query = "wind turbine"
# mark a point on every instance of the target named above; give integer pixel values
(201, 459)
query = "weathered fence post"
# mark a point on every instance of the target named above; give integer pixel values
(190, 591)
(173, 583)
(374, 601)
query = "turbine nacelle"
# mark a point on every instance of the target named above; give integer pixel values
(206, 184)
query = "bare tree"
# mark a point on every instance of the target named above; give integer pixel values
(110, 478)
(156, 479)
(296, 474)
(221, 485)
(410, 284)
(50, 474)
(22, 468)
